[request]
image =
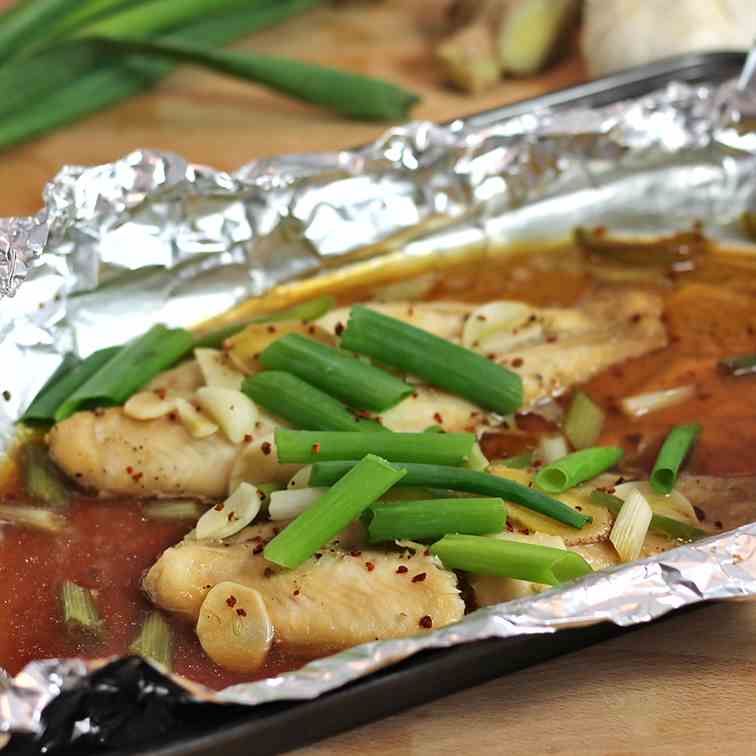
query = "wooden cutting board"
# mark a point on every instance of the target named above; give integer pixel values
(687, 686)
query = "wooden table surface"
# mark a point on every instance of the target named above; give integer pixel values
(687, 686)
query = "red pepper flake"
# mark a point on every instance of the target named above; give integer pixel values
(219, 507)
(316, 447)
(232, 516)
(136, 477)
(339, 329)
(276, 531)
(311, 330)
(266, 447)
(318, 555)
(426, 622)
(551, 339)
(161, 392)
(129, 470)
(437, 417)
(248, 438)
(427, 552)
(491, 356)
(517, 362)
(355, 553)
(172, 416)
(271, 329)
(481, 318)
(267, 572)
(718, 523)
(258, 549)
(241, 612)
(415, 395)
(261, 495)
(700, 514)
(635, 318)
(370, 566)
(231, 601)
(419, 577)
(401, 569)
(296, 593)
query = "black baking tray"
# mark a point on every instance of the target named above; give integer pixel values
(202, 730)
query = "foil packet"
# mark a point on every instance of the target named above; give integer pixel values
(154, 238)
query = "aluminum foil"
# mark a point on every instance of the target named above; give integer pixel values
(154, 238)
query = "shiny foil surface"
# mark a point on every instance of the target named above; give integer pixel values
(154, 238)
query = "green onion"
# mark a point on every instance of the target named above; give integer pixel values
(306, 447)
(434, 429)
(42, 480)
(551, 448)
(63, 383)
(476, 460)
(27, 22)
(177, 509)
(518, 462)
(34, 518)
(577, 467)
(668, 526)
(523, 561)
(344, 502)
(289, 397)
(631, 526)
(744, 364)
(461, 479)
(155, 641)
(423, 520)
(309, 310)
(583, 422)
(674, 450)
(353, 381)
(349, 94)
(128, 370)
(436, 360)
(80, 613)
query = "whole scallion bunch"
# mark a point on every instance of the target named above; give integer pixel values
(62, 60)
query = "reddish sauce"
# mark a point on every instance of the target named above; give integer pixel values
(710, 313)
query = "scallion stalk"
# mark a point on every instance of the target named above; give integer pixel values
(155, 640)
(631, 526)
(177, 509)
(306, 447)
(577, 467)
(552, 447)
(642, 404)
(424, 520)
(34, 518)
(344, 502)
(583, 421)
(27, 22)
(523, 561)
(305, 406)
(476, 460)
(42, 480)
(80, 613)
(129, 369)
(671, 456)
(460, 479)
(344, 377)
(743, 364)
(436, 360)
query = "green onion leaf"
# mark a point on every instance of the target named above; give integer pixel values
(155, 641)
(577, 467)
(744, 364)
(304, 406)
(674, 450)
(436, 360)
(423, 520)
(344, 502)
(129, 369)
(460, 479)
(28, 22)
(523, 561)
(583, 421)
(80, 613)
(306, 447)
(42, 480)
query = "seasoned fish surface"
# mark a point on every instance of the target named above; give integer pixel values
(337, 600)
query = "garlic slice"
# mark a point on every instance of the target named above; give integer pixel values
(148, 405)
(234, 412)
(501, 327)
(197, 425)
(217, 369)
(290, 503)
(229, 517)
(675, 504)
(234, 627)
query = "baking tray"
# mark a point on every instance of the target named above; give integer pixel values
(199, 730)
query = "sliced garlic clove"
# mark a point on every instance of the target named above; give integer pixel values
(230, 516)
(301, 478)
(194, 422)
(290, 503)
(258, 463)
(234, 627)
(500, 326)
(217, 369)
(149, 405)
(234, 412)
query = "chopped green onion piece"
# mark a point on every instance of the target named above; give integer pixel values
(307, 447)
(744, 364)
(577, 467)
(310, 310)
(518, 462)
(676, 529)
(674, 450)
(63, 383)
(631, 526)
(344, 377)
(130, 369)
(155, 641)
(552, 447)
(344, 502)
(79, 610)
(304, 406)
(476, 460)
(178, 509)
(583, 422)
(42, 480)
(27, 22)
(423, 520)
(461, 479)
(523, 561)
(33, 518)
(438, 361)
